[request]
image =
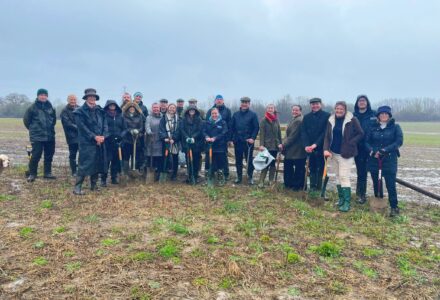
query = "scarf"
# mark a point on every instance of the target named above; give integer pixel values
(216, 121)
(170, 125)
(270, 117)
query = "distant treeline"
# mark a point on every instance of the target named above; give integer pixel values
(14, 105)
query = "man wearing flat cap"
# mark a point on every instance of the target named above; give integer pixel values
(244, 131)
(180, 103)
(40, 119)
(193, 103)
(92, 132)
(163, 105)
(313, 131)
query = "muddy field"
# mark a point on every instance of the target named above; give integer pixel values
(183, 242)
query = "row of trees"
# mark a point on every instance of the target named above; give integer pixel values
(14, 105)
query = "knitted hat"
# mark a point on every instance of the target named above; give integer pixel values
(138, 94)
(384, 109)
(42, 92)
(314, 100)
(219, 97)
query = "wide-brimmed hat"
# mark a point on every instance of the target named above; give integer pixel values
(90, 92)
(384, 109)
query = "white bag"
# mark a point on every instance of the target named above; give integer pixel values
(262, 160)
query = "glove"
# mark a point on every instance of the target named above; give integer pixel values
(117, 139)
(134, 132)
(190, 141)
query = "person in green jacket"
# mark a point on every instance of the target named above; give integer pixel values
(270, 139)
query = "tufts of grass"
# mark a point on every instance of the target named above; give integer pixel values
(138, 294)
(92, 218)
(226, 283)
(372, 252)
(212, 193)
(26, 232)
(73, 266)
(231, 207)
(69, 253)
(109, 242)
(5, 197)
(179, 228)
(46, 204)
(406, 267)
(169, 248)
(142, 256)
(212, 239)
(59, 230)
(39, 245)
(327, 249)
(338, 287)
(320, 272)
(367, 271)
(293, 291)
(40, 261)
(200, 281)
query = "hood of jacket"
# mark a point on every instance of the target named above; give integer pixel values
(109, 102)
(127, 106)
(356, 108)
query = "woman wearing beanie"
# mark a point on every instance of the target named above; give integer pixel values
(340, 144)
(215, 132)
(167, 134)
(270, 139)
(383, 142)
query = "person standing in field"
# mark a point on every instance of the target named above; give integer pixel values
(140, 161)
(244, 131)
(226, 116)
(193, 103)
(163, 106)
(154, 147)
(134, 122)
(313, 131)
(40, 119)
(116, 125)
(340, 144)
(383, 141)
(294, 153)
(70, 131)
(167, 132)
(126, 98)
(180, 107)
(138, 96)
(92, 132)
(270, 139)
(366, 117)
(215, 132)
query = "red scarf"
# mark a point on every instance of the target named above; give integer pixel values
(270, 117)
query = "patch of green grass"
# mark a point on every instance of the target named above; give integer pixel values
(39, 245)
(5, 197)
(320, 272)
(179, 228)
(142, 256)
(293, 291)
(327, 249)
(40, 261)
(138, 294)
(212, 193)
(367, 271)
(46, 204)
(231, 207)
(59, 230)
(69, 253)
(73, 266)
(26, 232)
(92, 218)
(109, 242)
(372, 252)
(200, 281)
(154, 284)
(169, 248)
(259, 194)
(212, 239)
(248, 227)
(405, 267)
(304, 209)
(293, 258)
(338, 287)
(420, 139)
(226, 283)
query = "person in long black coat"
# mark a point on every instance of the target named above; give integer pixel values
(215, 132)
(92, 132)
(190, 135)
(70, 131)
(312, 135)
(134, 125)
(40, 119)
(116, 126)
(244, 131)
(383, 141)
(367, 118)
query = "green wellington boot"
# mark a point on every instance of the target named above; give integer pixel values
(346, 194)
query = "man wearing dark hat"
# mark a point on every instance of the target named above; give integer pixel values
(193, 103)
(163, 104)
(40, 119)
(92, 131)
(226, 116)
(180, 103)
(367, 118)
(244, 131)
(70, 130)
(312, 135)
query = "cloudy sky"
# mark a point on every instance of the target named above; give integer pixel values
(335, 49)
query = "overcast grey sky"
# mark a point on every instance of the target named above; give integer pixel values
(335, 49)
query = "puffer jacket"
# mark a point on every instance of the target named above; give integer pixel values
(135, 121)
(69, 124)
(388, 141)
(40, 119)
(116, 123)
(352, 133)
(190, 128)
(218, 130)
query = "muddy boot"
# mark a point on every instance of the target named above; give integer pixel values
(31, 178)
(361, 190)
(262, 178)
(239, 179)
(220, 178)
(104, 180)
(346, 194)
(340, 196)
(394, 212)
(77, 190)
(72, 164)
(272, 171)
(94, 182)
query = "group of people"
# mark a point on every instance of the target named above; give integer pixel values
(116, 139)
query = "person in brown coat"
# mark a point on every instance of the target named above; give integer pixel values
(294, 153)
(340, 144)
(270, 139)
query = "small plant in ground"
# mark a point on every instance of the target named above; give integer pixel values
(154, 284)
(109, 242)
(69, 253)
(92, 218)
(74, 266)
(39, 245)
(200, 281)
(338, 287)
(47, 204)
(405, 267)
(4, 197)
(212, 193)
(320, 272)
(371, 252)
(142, 256)
(40, 261)
(327, 249)
(169, 248)
(265, 238)
(212, 240)
(367, 271)
(226, 283)
(26, 232)
(138, 294)
(293, 291)
(232, 206)
(293, 258)
(59, 230)
(179, 228)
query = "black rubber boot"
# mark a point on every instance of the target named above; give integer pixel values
(72, 164)
(394, 212)
(115, 180)
(94, 182)
(77, 190)
(48, 170)
(361, 191)
(104, 180)
(31, 178)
